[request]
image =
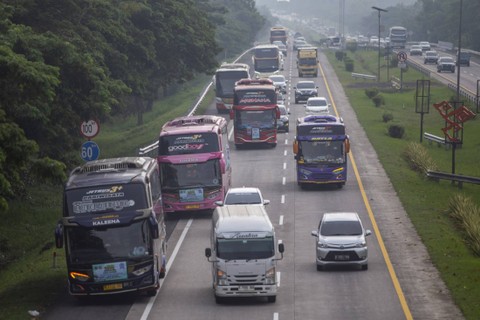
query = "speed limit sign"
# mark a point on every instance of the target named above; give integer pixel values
(89, 129)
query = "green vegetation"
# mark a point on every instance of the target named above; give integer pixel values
(427, 202)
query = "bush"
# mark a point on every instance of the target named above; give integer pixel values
(396, 131)
(418, 158)
(378, 100)
(349, 66)
(467, 215)
(387, 116)
(372, 92)
(340, 55)
(351, 46)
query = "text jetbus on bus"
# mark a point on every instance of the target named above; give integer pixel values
(320, 148)
(194, 158)
(113, 227)
(224, 82)
(255, 112)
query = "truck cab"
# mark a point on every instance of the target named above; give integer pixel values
(243, 253)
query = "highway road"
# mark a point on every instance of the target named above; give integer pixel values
(401, 282)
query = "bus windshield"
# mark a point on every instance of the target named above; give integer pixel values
(322, 151)
(265, 119)
(206, 174)
(225, 82)
(188, 143)
(99, 244)
(245, 249)
(261, 53)
(267, 65)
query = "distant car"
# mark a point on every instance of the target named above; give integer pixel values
(341, 240)
(305, 90)
(446, 63)
(464, 59)
(425, 45)
(283, 124)
(280, 82)
(243, 195)
(430, 57)
(416, 50)
(298, 42)
(317, 105)
(280, 98)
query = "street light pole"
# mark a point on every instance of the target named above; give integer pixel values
(454, 143)
(379, 10)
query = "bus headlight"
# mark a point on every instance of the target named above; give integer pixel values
(143, 270)
(79, 276)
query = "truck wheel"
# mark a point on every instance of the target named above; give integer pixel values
(272, 299)
(218, 300)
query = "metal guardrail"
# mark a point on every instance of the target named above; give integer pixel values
(433, 138)
(460, 179)
(145, 151)
(363, 76)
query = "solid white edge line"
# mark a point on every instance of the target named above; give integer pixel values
(151, 301)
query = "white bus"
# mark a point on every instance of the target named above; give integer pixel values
(398, 37)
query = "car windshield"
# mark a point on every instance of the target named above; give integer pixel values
(243, 198)
(317, 102)
(341, 228)
(306, 85)
(447, 59)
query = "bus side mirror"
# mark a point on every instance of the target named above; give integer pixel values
(154, 227)
(347, 145)
(59, 235)
(295, 148)
(223, 166)
(208, 252)
(231, 114)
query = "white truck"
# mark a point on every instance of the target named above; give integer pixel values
(243, 253)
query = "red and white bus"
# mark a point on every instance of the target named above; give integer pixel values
(194, 159)
(224, 82)
(255, 112)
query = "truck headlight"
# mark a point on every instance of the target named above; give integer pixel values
(221, 278)
(270, 276)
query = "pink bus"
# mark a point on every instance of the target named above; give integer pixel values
(194, 159)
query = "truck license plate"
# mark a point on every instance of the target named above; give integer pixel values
(342, 257)
(113, 286)
(245, 288)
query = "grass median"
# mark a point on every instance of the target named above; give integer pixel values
(426, 201)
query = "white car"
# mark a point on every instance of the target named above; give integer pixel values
(341, 240)
(279, 82)
(243, 195)
(317, 105)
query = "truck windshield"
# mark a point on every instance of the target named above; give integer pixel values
(191, 174)
(245, 249)
(95, 245)
(322, 151)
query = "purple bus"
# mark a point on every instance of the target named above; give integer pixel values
(320, 148)
(194, 159)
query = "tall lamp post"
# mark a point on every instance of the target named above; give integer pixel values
(379, 10)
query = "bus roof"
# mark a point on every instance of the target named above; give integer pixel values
(109, 171)
(241, 218)
(316, 119)
(200, 123)
(233, 66)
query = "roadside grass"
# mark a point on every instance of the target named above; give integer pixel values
(426, 201)
(29, 281)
